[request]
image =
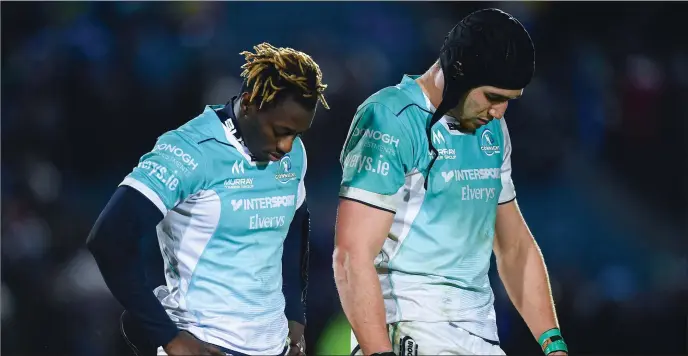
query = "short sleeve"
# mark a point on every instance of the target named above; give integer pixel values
(376, 157)
(170, 173)
(508, 190)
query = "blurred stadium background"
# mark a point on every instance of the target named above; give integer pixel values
(599, 148)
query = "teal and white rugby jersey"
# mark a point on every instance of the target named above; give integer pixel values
(434, 263)
(226, 219)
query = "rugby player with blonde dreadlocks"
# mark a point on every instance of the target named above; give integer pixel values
(225, 193)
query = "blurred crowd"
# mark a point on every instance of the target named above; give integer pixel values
(598, 141)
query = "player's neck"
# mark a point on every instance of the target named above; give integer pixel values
(432, 84)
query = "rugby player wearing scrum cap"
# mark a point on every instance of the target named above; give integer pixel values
(427, 196)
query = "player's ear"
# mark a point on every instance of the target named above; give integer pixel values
(246, 106)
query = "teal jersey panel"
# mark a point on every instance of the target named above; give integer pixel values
(435, 260)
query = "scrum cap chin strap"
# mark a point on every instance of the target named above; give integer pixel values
(488, 47)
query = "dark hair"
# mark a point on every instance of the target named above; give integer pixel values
(273, 74)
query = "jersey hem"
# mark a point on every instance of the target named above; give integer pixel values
(368, 204)
(375, 200)
(196, 331)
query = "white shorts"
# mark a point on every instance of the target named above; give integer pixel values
(440, 338)
(161, 351)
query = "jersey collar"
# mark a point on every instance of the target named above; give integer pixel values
(413, 90)
(229, 120)
(232, 131)
(409, 86)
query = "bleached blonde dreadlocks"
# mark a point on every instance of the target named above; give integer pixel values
(271, 72)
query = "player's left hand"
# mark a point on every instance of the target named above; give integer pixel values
(558, 353)
(297, 342)
(297, 348)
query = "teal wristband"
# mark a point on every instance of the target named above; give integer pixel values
(554, 346)
(552, 341)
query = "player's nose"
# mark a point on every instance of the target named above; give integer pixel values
(497, 111)
(284, 145)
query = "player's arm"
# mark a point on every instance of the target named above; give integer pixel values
(295, 258)
(360, 233)
(373, 171)
(161, 179)
(520, 263)
(295, 274)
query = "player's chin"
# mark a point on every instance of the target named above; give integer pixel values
(274, 157)
(469, 127)
(267, 156)
(261, 158)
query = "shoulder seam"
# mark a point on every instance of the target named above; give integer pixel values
(184, 136)
(402, 124)
(397, 114)
(399, 92)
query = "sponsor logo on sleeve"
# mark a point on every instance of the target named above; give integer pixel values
(363, 163)
(167, 149)
(376, 136)
(169, 179)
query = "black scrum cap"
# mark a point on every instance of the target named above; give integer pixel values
(488, 47)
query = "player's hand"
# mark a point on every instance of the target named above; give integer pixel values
(185, 344)
(558, 353)
(297, 343)
(297, 348)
